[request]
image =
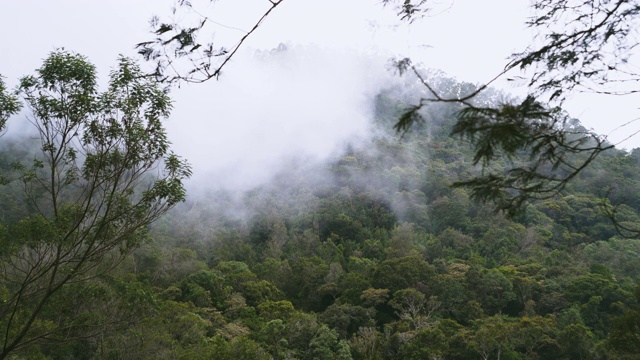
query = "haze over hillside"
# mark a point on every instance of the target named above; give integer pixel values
(318, 194)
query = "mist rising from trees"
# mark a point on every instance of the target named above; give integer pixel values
(288, 103)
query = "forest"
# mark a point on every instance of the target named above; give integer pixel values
(469, 223)
(371, 255)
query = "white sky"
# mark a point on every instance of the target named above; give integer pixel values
(232, 121)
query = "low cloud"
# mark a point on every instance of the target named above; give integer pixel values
(270, 107)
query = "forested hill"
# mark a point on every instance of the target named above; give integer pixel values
(373, 255)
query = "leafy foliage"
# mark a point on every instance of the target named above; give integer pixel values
(379, 258)
(581, 45)
(557, 151)
(9, 104)
(92, 191)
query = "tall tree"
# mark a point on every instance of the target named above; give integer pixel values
(104, 173)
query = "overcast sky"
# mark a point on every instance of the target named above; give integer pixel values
(262, 110)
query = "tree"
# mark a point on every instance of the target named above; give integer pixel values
(9, 104)
(105, 172)
(401, 273)
(325, 345)
(492, 335)
(495, 291)
(624, 338)
(576, 341)
(581, 46)
(535, 334)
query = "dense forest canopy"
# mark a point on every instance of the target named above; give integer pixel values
(369, 255)
(382, 251)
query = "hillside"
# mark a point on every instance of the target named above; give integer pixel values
(372, 255)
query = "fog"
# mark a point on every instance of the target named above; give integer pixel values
(297, 103)
(301, 103)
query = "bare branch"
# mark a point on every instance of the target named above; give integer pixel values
(176, 42)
